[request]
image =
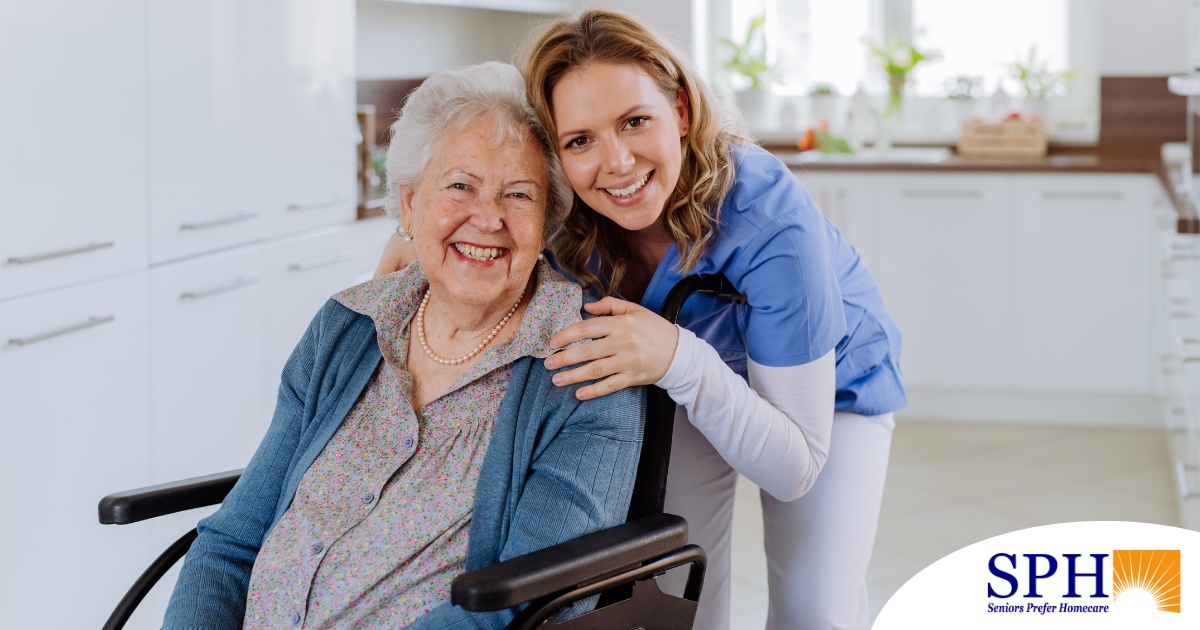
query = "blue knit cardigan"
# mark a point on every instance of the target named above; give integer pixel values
(556, 468)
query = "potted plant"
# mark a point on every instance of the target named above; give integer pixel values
(823, 98)
(897, 60)
(748, 60)
(1038, 82)
(962, 90)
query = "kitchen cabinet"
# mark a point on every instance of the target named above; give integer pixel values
(848, 201)
(1082, 278)
(1181, 368)
(208, 97)
(207, 352)
(1027, 296)
(944, 264)
(75, 403)
(73, 168)
(308, 159)
(301, 274)
(251, 121)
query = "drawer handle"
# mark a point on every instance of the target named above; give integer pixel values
(237, 218)
(242, 281)
(1181, 480)
(323, 261)
(1088, 195)
(92, 321)
(941, 194)
(321, 203)
(90, 247)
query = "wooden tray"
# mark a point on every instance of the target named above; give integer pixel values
(1011, 138)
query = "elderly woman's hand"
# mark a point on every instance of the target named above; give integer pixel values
(397, 254)
(631, 346)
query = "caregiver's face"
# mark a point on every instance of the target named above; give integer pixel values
(619, 140)
(477, 216)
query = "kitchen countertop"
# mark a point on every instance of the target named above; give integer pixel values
(1067, 160)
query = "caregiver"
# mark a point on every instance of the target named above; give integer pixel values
(801, 380)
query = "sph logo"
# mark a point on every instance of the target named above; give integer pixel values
(1136, 573)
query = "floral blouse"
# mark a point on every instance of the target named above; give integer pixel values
(378, 527)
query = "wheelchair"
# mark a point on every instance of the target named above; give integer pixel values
(619, 564)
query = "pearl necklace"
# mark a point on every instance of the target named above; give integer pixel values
(466, 357)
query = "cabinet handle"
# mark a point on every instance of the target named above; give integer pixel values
(1084, 195)
(92, 321)
(321, 203)
(242, 281)
(83, 249)
(1181, 480)
(941, 194)
(237, 218)
(323, 261)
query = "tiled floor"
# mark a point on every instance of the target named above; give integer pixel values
(952, 484)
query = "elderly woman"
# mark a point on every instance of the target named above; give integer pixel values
(418, 433)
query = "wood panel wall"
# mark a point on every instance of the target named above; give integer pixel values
(388, 96)
(1138, 114)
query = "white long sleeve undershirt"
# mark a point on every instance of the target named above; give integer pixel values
(774, 430)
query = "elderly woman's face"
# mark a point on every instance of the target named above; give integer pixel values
(477, 216)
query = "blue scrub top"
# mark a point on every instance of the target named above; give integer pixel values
(807, 290)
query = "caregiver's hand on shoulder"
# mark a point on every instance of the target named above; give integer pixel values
(396, 255)
(631, 346)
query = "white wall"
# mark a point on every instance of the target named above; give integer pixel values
(672, 18)
(1143, 37)
(404, 41)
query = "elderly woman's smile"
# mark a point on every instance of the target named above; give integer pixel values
(477, 217)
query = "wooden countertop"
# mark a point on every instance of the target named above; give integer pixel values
(1142, 159)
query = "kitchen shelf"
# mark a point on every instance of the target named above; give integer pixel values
(549, 7)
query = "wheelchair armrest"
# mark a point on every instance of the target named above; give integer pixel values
(131, 506)
(574, 562)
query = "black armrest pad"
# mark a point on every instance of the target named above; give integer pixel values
(132, 506)
(574, 562)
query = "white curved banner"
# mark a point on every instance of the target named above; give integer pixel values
(1094, 575)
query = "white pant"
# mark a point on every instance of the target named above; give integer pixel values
(818, 546)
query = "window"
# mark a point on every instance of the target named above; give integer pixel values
(812, 42)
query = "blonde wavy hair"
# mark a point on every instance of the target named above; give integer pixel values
(692, 213)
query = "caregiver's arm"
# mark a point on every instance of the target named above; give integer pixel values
(775, 430)
(397, 254)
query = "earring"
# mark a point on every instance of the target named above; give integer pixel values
(402, 234)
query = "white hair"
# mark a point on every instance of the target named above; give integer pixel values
(445, 103)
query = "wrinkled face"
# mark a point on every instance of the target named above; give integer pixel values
(477, 217)
(619, 141)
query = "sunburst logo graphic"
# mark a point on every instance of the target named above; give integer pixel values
(1149, 575)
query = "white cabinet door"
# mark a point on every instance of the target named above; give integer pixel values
(208, 100)
(848, 201)
(1083, 296)
(74, 404)
(308, 163)
(301, 274)
(944, 267)
(207, 352)
(72, 142)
